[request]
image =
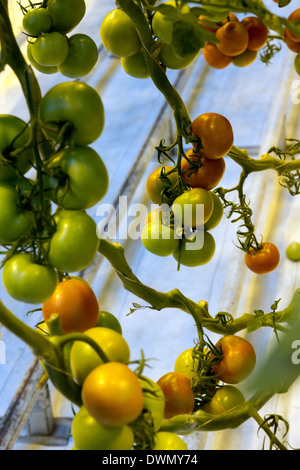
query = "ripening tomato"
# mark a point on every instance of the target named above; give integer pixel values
(82, 56)
(179, 397)
(225, 398)
(206, 173)
(293, 251)
(193, 208)
(66, 14)
(215, 133)
(159, 239)
(168, 441)
(76, 304)
(238, 359)
(50, 49)
(112, 394)
(37, 21)
(135, 65)
(244, 59)
(217, 213)
(119, 35)
(214, 57)
(233, 37)
(294, 16)
(196, 250)
(90, 434)
(187, 364)
(263, 260)
(292, 45)
(108, 320)
(158, 183)
(258, 32)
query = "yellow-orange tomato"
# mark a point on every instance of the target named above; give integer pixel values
(76, 304)
(264, 260)
(157, 186)
(292, 45)
(215, 133)
(214, 57)
(258, 32)
(244, 59)
(294, 16)
(179, 397)
(207, 176)
(233, 37)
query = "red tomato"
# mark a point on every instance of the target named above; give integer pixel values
(263, 260)
(209, 172)
(179, 396)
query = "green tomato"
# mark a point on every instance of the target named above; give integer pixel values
(48, 70)
(14, 135)
(193, 208)
(118, 34)
(187, 364)
(190, 254)
(79, 178)
(74, 243)
(217, 213)
(159, 239)
(66, 14)
(27, 281)
(135, 65)
(297, 64)
(82, 57)
(76, 103)
(14, 222)
(162, 25)
(169, 441)
(37, 21)
(293, 251)
(171, 60)
(50, 49)
(108, 320)
(154, 401)
(90, 434)
(225, 398)
(84, 359)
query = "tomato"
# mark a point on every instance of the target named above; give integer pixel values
(118, 34)
(211, 26)
(159, 239)
(158, 183)
(292, 45)
(37, 21)
(74, 243)
(233, 37)
(263, 260)
(215, 133)
(66, 14)
(76, 103)
(192, 252)
(225, 398)
(76, 304)
(82, 57)
(179, 397)
(238, 359)
(206, 173)
(187, 364)
(155, 215)
(90, 434)
(28, 281)
(193, 208)
(108, 320)
(79, 178)
(14, 222)
(84, 358)
(112, 394)
(135, 65)
(154, 401)
(294, 16)
(258, 32)
(297, 64)
(50, 49)
(293, 251)
(171, 60)
(161, 24)
(214, 57)
(217, 213)
(244, 59)
(48, 70)
(14, 135)
(168, 441)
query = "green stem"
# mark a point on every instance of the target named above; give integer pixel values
(273, 439)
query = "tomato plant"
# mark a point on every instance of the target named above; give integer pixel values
(179, 397)
(264, 259)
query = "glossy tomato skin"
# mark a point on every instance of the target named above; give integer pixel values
(207, 176)
(14, 222)
(90, 434)
(135, 65)
(225, 398)
(187, 364)
(293, 251)
(84, 178)
(159, 239)
(193, 208)
(118, 34)
(108, 320)
(171, 60)
(84, 359)
(50, 49)
(192, 252)
(74, 243)
(264, 260)
(179, 397)
(169, 441)
(217, 213)
(27, 281)
(37, 21)
(159, 181)
(238, 359)
(48, 70)
(14, 134)
(214, 57)
(258, 32)
(292, 45)
(233, 37)
(76, 304)
(244, 59)
(112, 394)
(215, 133)
(294, 16)
(76, 103)
(66, 14)
(82, 56)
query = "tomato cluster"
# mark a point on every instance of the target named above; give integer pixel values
(49, 48)
(238, 42)
(188, 208)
